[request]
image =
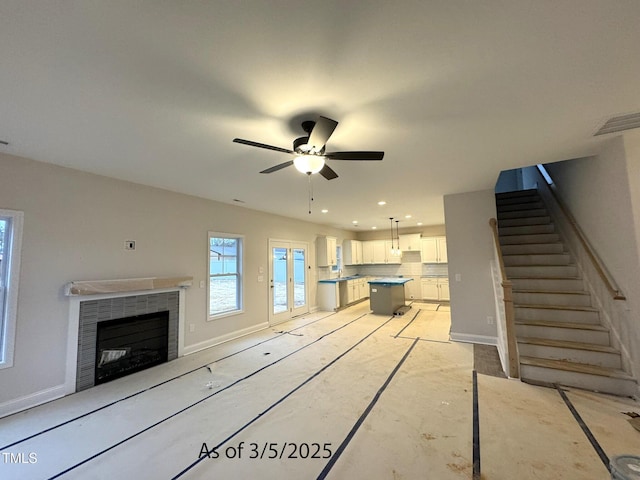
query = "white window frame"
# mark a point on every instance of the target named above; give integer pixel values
(9, 281)
(239, 275)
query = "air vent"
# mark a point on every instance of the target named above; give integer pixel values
(620, 124)
(2, 142)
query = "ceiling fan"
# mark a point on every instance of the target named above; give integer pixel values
(309, 151)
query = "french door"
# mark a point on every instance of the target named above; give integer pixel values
(288, 283)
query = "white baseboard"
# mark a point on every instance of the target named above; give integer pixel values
(196, 347)
(31, 400)
(472, 338)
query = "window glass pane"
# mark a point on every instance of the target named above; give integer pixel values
(224, 275)
(223, 294)
(3, 231)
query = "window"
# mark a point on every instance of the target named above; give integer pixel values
(225, 274)
(338, 266)
(10, 243)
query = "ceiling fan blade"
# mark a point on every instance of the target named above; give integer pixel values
(280, 166)
(262, 145)
(355, 155)
(328, 173)
(321, 132)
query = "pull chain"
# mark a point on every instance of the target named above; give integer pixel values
(310, 192)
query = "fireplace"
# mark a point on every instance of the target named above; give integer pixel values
(128, 345)
(117, 312)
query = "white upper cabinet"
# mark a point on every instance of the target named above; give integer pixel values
(352, 252)
(326, 251)
(378, 252)
(410, 242)
(434, 250)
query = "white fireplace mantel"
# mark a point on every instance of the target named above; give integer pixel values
(96, 287)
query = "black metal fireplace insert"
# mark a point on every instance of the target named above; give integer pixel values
(128, 345)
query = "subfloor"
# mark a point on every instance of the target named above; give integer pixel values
(330, 395)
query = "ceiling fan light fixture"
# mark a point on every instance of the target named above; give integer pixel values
(309, 163)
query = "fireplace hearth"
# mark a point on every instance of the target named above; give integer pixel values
(128, 345)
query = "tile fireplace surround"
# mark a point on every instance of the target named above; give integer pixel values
(97, 301)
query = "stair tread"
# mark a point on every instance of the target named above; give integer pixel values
(524, 277)
(558, 324)
(568, 344)
(576, 367)
(553, 292)
(533, 254)
(557, 307)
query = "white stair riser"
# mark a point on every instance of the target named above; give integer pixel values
(548, 298)
(524, 239)
(552, 315)
(519, 222)
(526, 229)
(567, 334)
(615, 386)
(540, 259)
(519, 207)
(562, 284)
(534, 212)
(532, 249)
(551, 271)
(589, 357)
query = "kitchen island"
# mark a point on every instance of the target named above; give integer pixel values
(387, 294)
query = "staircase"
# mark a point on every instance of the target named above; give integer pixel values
(560, 336)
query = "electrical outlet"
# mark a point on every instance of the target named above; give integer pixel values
(129, 244)
(490, 320)
(192, 327)
(201, 283)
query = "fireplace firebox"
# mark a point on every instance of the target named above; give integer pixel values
(128, 345)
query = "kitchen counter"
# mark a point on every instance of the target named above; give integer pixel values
(390, 281)
(340, 279)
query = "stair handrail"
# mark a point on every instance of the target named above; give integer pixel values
(509, 310)
(609, 282)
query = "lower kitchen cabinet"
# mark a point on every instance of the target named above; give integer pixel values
(435, 288)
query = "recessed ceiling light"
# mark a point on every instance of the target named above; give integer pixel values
(382, 202)
(407, 216)
(374, 228)
(419, 223)
(355, 222)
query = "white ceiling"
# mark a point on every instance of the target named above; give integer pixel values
(453, 91)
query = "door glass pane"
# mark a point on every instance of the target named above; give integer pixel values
(299, 294)
(279, 269)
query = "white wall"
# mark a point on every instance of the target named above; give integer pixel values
(470, 252)
(75, 225)
(603, 194)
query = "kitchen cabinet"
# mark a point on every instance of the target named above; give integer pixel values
(378, 252)
(326, 251)
(434, 250)
(336, 293)
(410, 242)
(352, 252)
(435, 288)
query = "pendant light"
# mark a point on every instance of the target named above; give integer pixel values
(391, 228)
(398, 251)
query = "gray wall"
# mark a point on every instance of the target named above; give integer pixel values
(470, 252)
(603, 194)
(75, 225)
